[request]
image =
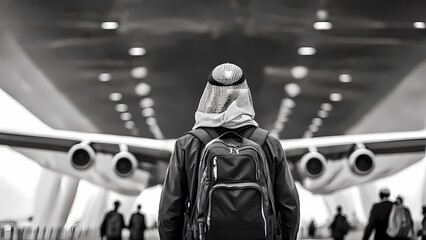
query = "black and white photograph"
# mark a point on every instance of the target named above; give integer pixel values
(212, 120)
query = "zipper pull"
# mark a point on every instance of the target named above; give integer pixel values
(201, 231)
(215, 168)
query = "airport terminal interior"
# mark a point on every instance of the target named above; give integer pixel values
(94, 94)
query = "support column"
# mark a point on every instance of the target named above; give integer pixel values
(65, 199)
(46, 197)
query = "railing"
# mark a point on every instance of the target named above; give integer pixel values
(12, 233)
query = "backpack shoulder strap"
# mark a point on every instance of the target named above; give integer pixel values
(259, 136)
(205, 135)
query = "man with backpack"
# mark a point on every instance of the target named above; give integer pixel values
(137, 225)
(113, 224)
(340, 226)
(228, 178)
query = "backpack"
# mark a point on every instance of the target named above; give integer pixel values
(114, 225)
(234, 199)
(399, 225)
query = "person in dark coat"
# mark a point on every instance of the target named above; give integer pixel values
(379, 217)
(422, 232)
(137, 225)
(226, 105)
(113, 224)
(312, 229)
(340, 226)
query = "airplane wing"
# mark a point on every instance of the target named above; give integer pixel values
(323, 164)
(326, 164)
(124, 164)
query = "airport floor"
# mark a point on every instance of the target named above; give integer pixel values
(353, 235)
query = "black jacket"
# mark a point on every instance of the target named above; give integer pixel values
(379, 220)
(137, 226)
(118, 225)
(339, 227)
(183, 168)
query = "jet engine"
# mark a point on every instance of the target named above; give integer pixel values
(361, 161)
(312, 164)
(82, 156)
(124, 164)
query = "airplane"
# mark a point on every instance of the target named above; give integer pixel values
(128, 165)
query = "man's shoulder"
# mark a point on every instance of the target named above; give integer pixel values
(189, 137)
(273, 139)
(186, 138)
(383, 204)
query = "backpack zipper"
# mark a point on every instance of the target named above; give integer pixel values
(215, 168)
(240, 186)
(233, 148)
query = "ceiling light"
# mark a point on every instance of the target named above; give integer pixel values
(419, 25)
(299, 72)
(129, 124)
(137, 51)
(139, 72)
(134, 131)
(148, 112)
(126, 116)
(155, 130)
(285, 111)
(321, 26)
(313, 128)
(327, 107)
(317, 121)
(292, 89)
(336, 97)
(115, 97)
(142, 89)
(345, 78)
(121, 107)
(150, 121)
(322, 114)
(282, 118)
(306, 51)
(308, 134)
(104, 77)
(146, 103)
(288, 103)
(322, 14)
(109, 25)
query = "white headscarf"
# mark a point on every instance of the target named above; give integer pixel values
(226, 100)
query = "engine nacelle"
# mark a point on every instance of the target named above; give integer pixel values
(313, 164)
(124, 164)
(361, 161)
(82, 156)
